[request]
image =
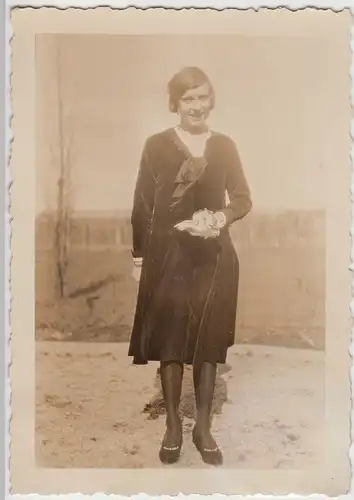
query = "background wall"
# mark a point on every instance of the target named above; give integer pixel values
(275, 97)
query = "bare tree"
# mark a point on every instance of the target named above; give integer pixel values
(64, 159)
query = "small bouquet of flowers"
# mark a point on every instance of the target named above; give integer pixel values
(204, 223)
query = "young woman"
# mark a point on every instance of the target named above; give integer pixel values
(187, 298)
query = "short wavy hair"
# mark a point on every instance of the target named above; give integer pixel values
(188, 78)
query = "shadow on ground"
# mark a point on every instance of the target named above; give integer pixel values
(155, 407)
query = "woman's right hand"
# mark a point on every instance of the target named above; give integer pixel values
(136, 273)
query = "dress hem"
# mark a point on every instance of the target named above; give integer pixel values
(141, 361)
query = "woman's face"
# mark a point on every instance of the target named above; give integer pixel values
(194, 108)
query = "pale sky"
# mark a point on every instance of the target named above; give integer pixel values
(276, 97)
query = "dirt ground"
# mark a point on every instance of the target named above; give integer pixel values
(95, 409)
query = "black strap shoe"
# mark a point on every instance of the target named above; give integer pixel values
(211, 456)
(170, 454)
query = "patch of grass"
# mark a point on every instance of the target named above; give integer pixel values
(281, 298)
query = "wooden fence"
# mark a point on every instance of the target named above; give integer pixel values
(281, 230)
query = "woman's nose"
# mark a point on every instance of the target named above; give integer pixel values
(196, 106)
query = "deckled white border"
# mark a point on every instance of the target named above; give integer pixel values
(8, 255)
(351, 347)
(335, 5)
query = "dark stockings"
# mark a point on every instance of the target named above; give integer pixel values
(204, 376)
(171, 374)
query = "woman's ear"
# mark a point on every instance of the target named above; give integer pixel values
(173, 106)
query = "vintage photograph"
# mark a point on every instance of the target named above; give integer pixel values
(187, 190)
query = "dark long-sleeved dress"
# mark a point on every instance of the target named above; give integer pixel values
(187, 299)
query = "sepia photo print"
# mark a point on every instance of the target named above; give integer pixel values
(190, 225)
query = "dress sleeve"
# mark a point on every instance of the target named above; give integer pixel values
(236, 186)
(143, 204)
